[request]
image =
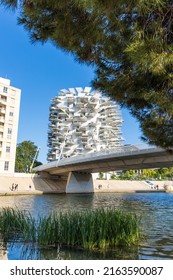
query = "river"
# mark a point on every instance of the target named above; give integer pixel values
(155, 210)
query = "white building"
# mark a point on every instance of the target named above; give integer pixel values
(82, 121)
(9, 116)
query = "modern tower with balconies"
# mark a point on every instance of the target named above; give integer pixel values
(82, 121)
(9, 116)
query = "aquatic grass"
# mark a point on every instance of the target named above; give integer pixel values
(16, 224)
(99, 229)
(91, 229)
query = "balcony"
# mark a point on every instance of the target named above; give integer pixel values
(83, 118)
(2, 119)
(84, 99)
(80, 105)
(3, 100)
(82, 128)
(84, 110)
(70, 99)
(62, 114)
(87, 147)
(78, 133)
(69, 119)
(2, 110)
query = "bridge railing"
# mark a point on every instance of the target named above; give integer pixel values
(103, 154)
(118, 150)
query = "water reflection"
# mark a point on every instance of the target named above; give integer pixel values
(155, 210)
(3, 249)
(20, 251)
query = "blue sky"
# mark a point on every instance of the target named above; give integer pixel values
(40, 71)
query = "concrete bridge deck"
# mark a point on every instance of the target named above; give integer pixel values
(78, 170)
(123, 158)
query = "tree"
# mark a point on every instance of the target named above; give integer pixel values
(171, 173)
(149, 173)
(129, 43)
(101, 175)
(25, 154)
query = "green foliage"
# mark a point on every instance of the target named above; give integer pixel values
(149, 173)
(9, 3)
(99, 229)
(143, 174)
(25, 153)
(113, 177)
(166, 173)
(129, 43)
(101, 175)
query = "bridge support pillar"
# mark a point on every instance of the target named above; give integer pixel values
(79, 183)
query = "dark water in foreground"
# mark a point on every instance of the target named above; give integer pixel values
(155, 209)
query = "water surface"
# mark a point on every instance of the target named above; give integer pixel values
(155, 210)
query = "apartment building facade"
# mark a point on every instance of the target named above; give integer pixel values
(9, 117)
(82, 121)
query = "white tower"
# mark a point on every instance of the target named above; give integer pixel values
(9, 116)
(82, 121)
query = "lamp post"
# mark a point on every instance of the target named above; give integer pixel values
(36, 154)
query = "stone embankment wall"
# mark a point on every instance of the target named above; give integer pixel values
(34, 184)
(127, 186)
(30, 183)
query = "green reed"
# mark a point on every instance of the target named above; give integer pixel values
(16, 224)
(98, 229)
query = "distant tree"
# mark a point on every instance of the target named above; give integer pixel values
(25, 153)
(37, 163)
(113, 177)
(164, 173)
(171, 173)
(129, 43)
(149, 173)
(157, 174)
(101, 175)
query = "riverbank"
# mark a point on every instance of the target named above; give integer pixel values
(129, 186)
(27, 184)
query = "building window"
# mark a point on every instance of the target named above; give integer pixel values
(9, 130)
(9, 133)
(6, 165)
(5, 89)
(7, 149)
(11, 114)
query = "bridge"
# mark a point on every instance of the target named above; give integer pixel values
(78, 170)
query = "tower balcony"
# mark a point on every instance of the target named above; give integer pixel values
(80, 105)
